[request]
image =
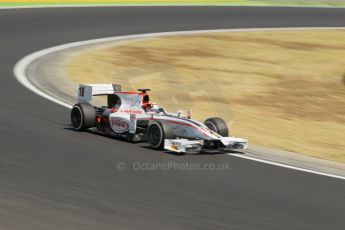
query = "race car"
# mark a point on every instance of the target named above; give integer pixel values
(133, 117)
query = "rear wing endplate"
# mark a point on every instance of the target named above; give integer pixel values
(87, 91)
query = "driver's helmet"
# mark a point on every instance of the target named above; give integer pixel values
(151, 107)
(155, 108)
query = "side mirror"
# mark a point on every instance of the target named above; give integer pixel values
(179, 112)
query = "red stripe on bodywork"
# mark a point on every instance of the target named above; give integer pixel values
(185, 124)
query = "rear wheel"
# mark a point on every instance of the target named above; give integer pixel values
(217, 125)
(83, 116)
(157, 132)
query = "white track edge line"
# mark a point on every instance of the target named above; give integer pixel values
(21, 67)
(287, 166)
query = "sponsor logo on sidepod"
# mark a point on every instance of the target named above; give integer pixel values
(119, 125)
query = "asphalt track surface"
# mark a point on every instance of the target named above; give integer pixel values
(54, 178)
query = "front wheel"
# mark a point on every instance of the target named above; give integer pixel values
(217, 125)
(157, 132)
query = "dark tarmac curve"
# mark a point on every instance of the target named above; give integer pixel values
(55, 178)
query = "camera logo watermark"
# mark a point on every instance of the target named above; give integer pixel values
(120, 166)
(171, 166)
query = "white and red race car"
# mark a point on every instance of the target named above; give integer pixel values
(132, 116)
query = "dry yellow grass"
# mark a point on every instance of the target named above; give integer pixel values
(113, 1)
(282, 89)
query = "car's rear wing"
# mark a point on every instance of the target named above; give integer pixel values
(87, 91)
